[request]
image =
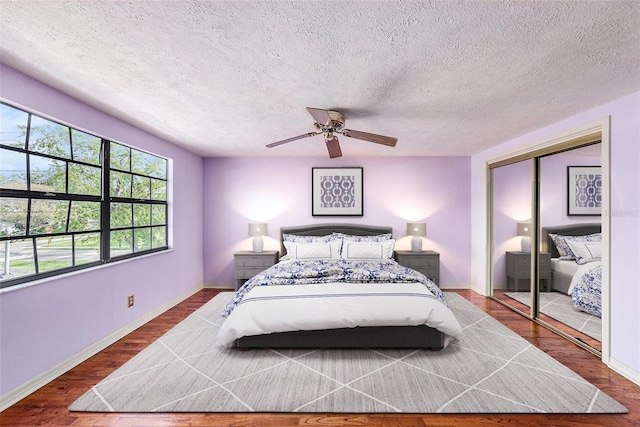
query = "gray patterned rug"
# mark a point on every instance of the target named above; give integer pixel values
(560, 307)
(490, 369)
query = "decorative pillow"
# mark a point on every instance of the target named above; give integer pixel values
(307, 239)
(313, 250)
(352, 238)
(585, 251)
(563, 248)
(368, 250)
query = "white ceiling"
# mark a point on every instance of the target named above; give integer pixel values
(224, 78)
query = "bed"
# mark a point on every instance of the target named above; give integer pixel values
(345, 298)
(581, 275)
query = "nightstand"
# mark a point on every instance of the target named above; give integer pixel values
(247, 264)
(519, 268)
(425, 262)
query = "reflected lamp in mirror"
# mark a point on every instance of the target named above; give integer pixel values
(524, 230)
(257, 230)
(417, 230)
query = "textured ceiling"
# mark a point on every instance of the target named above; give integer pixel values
(224, 78)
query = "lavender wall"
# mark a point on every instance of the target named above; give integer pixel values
(624, 216)
(45, 324)
(553, 184)
(278, 191)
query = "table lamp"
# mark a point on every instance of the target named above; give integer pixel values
(257, 230)
(524, 230)
(417, 230)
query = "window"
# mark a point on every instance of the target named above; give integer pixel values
(71, 200)
(138, 202)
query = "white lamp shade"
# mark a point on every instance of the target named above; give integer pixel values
(523, 229)
(257, 229)
(416, 229)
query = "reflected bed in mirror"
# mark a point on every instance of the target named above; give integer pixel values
(576, 283)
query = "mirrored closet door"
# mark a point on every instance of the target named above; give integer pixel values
(544, 209)
(511, 203)
(570, 220)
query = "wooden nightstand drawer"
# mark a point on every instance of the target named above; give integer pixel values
(425, 262)
(519, 267)
(248, 264)
(431, 273)
(421, 262)
(522, 269)
(247, 273)
(253, 261)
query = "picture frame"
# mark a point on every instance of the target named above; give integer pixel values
(584, 190)
(337, 191)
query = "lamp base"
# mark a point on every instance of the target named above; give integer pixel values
(258, 244)
(525, 244)
(416, 244)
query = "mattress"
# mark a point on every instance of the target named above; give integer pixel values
(269, 309)
(564, 266)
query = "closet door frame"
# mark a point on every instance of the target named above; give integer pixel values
(587, 134)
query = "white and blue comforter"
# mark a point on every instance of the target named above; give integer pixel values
(332, 294)
(586, 288)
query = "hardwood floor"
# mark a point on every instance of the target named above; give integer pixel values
(48, 406)
(501, 295)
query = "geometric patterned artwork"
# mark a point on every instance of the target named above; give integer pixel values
(336, 191)
(588, 190)
(584, 190)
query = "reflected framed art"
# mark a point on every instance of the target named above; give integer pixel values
(584, 190)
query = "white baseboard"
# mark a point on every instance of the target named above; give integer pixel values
(46, 377)
(624, 370)
(228, 286)
(454, 286)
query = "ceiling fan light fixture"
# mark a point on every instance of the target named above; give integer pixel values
(337, 120)
(329, 122)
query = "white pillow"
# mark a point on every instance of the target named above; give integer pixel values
(352, 238)
(563, 247)
(314, 250)
(368, 250)
(585, 251)
(307, 239)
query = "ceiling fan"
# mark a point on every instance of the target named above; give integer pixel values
(329, 123)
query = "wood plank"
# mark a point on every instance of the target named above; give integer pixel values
(48, 406)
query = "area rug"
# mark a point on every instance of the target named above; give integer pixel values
(489, 369)
(560, 307)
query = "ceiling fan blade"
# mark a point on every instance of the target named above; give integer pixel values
(333, 146)
(284, 141)
(371, 137)
(320, 116)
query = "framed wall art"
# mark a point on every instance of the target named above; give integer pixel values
(336, 191)
(584, 190)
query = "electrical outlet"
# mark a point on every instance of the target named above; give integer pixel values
(130, 301)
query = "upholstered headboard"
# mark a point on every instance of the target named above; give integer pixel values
(326, 229)
(565, 230)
